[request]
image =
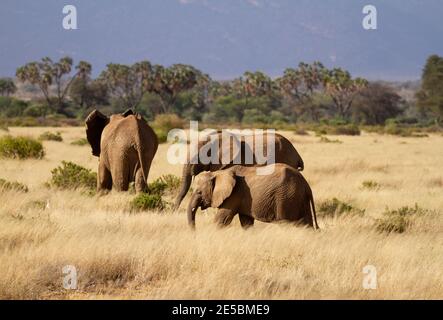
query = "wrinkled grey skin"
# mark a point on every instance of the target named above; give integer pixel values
(284, 153)
(125, 145)
(283, 195)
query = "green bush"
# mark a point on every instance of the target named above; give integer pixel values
(334, 208)
(162, 135)
(15, 186)
(145, 201)
(399, 220)
(80, 142)
(172, 182)
(20, 148)
(370, 185)
(36, 110)
(50, 136)
(395, 129)
(165, 183)
(348, 130)
(72, 176)
(12, 107)
(340, 129)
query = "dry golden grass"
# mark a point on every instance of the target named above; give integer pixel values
(154, 255)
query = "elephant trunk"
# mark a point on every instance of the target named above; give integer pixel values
(192, 209)
(184, 187)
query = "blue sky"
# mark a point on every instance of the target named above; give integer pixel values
(227, 37)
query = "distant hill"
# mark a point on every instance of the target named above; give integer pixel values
(225, 38)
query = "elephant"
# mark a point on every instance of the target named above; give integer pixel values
(284, 153)
(125, 145)
(283, 195)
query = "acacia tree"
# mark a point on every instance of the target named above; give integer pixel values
(298, 86)
(126, 83)
(252, 84)
(7, 87)
(376, 103)
(430, 96)
(168, 83)
(342, 89)
(47, 73)
(85, 92)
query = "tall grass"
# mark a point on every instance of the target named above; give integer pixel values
(153, 254)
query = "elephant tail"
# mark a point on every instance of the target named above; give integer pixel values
(313, 212)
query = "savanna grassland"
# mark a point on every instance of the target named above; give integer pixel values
(119, 253)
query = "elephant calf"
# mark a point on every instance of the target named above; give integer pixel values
(283, 194)
(125, 145)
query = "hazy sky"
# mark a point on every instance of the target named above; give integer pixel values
(227, 37)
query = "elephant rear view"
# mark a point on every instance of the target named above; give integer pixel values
(125, 145)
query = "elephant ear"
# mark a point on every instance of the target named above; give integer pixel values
(95, 123)
(224, 184)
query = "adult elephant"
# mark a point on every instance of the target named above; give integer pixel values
(283, 195)
(284, 153)
(125, 145)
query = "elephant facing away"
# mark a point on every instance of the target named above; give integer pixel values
(284, 153)
(125, 145)
(282, 195)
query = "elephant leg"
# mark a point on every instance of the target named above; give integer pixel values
(104, 178)
(120, 177)
(246, 221)
(224, 217)
(140, 183)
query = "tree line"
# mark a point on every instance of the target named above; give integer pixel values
(306, 93)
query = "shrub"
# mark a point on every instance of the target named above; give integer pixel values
(80, 142)
(168, 122)
(395, 129)
(36, 110)
(172, 182)
(145, 201)
(37, 204)
(163, 123)
(50, 136)
(327, 140)
(301, 132)
(162, 135)
(15, 186)
(390, 224)
(399, 220)
(349, 130)
(72, 176)
(165, 183)
(370, 185)
(20, 148)
(334, 208)
(337, 129)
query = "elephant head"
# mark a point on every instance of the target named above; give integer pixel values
(193, 168)
(211, 190)
(95, 123)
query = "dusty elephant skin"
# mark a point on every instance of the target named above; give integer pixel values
(284, 153)
(125, 145)
(281, 195)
